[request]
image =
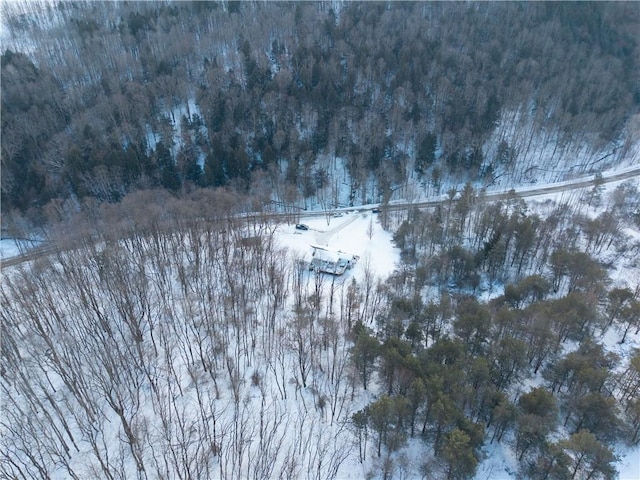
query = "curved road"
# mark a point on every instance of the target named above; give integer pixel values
(524, 192)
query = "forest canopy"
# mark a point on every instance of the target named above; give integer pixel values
(103, 98)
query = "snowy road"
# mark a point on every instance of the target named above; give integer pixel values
(522, 191)
(534, 191)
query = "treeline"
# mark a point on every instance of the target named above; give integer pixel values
(527, 368)
(100, 99)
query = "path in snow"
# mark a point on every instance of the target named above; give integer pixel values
(323, 237)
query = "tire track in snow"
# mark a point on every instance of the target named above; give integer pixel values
(323, 237)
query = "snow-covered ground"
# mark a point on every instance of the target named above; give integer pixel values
(360, 233)
(302, 432)
(349, 234)
(8, 248)
(500, 462)
(629, 464)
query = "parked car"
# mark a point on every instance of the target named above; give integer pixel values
(302, 226)
(337, 214)
(376, 210)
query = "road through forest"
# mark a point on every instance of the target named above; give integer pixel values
(524, 192)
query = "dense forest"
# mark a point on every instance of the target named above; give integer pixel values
(160, 154)
(100, 99)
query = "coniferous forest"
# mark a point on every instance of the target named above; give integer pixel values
(160, 157)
